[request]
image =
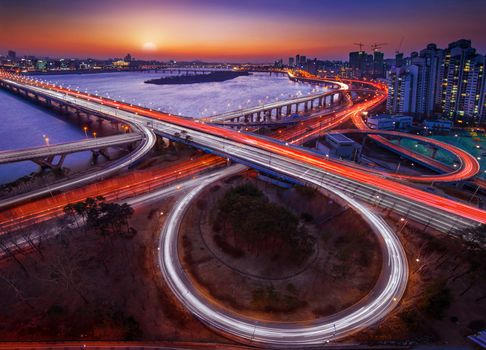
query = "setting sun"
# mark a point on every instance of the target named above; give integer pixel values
(149, 46)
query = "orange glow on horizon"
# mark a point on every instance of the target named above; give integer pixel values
(187, 29)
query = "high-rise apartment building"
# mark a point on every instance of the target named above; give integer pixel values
(402, 89)
(361, 64)
(378, 64)
(450, 83)
(462, 74)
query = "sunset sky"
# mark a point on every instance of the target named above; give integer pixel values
(233, 30)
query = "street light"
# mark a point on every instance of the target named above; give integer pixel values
(85, 128)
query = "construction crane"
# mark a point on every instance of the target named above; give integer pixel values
(360, 46)
(377, 46)
(400, 45)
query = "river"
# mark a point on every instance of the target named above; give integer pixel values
(24, 124)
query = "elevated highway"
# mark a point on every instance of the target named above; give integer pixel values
(278, 158)
(38, 154)
(468, 165)
(282, 160)
(143, 147)
(379, 302)
(279, 112)
(287, 111)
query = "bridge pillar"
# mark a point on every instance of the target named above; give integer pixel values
(48, 162)
(288, 110)
(268, 115)
(97, 153)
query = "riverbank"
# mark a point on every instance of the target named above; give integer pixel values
(213, 77)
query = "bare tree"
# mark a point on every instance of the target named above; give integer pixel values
(64, 268)
(10, 282)
(9, 249)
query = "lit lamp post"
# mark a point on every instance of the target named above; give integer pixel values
(85, 128)
(46, 139)
(94, 134)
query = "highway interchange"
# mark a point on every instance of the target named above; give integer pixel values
(349, 184)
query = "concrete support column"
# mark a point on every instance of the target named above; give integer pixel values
(268, 115)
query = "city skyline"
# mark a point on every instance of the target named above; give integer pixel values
(232, 32)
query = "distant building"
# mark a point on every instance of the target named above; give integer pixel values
(402, 90)
(390, 122)
(278, 63)
(41, 65)
(12, 55)
(361, 64)
(311, 66)
(450, 82)
(120, 64)
(303, 60)
(128, 58)
(339, 146)
(438, 125)
(463, 82)
(291, 61)
(399, 61)
(378, 64)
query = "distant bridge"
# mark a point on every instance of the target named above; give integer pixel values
(280, 112)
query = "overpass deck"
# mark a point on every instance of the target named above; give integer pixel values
(69, 147)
